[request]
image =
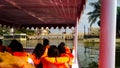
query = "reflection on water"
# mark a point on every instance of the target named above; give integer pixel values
(117, 57)
(87, 52)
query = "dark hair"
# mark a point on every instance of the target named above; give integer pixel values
(53, 51)
(4, 48)
(39, 50)
(45, 42)
(1, 42)
(61, 48)
(16, 46)
(62, 44)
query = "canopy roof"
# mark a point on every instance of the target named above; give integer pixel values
(40, 13)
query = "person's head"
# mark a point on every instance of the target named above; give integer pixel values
(16, 46)
(45, 42)
(62, 44)
(39, 50)
(1, 42)
(53, 51)
(61, 48)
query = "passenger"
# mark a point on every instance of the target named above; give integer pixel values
(37, 54)
(46, 46)
(16, 46)
(46, 43)
(53, 51)
(2, 47)
(53, 60)
(63, 49)
(65, 52)
(67, 49)
(17, 50)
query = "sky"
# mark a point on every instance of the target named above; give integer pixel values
(118, 2)
(84, 18)
(83, 21)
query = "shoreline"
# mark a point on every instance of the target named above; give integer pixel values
(97, 40)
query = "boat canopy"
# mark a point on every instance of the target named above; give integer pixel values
(40, 13)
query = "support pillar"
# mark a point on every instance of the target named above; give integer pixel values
(108, 34)
(75, 61)
(76, 40)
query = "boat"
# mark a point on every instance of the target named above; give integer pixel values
(19, 37)
(62, 13)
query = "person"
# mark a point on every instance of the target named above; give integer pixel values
(46, 46)
(16, 46)
(64, 49)
(53, 51)
(2, 47)
(37, 54)
(52, 60)
(45, 42)
(67, 49)
(17, 50)
(10, 61)
(65, 52)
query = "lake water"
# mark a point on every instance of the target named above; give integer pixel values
(88, 53)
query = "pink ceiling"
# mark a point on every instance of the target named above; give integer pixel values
(40, 13)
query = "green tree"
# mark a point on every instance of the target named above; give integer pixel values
(26, 31)
(118, 22)
(3, 31)
(95, 14)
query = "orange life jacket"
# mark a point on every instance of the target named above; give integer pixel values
(46, 50)
(67, 49)
(68, 53)
(23, 55)
(55, 62)
(35, 60)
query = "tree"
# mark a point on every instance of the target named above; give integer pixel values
(95, 14)
(26, 31)
(118, 22)
(3, 31)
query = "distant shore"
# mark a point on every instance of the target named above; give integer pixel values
(97, 40)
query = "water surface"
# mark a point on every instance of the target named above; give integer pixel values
(87, 52)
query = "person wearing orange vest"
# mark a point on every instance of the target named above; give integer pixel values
(2, 47)
(46, 46)
(65, 52)
(63, 49)
(37, 54)
(18, 51)
(53, 60)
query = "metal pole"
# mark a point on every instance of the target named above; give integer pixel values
(76, 39)
(75, 61)
(108, 34)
